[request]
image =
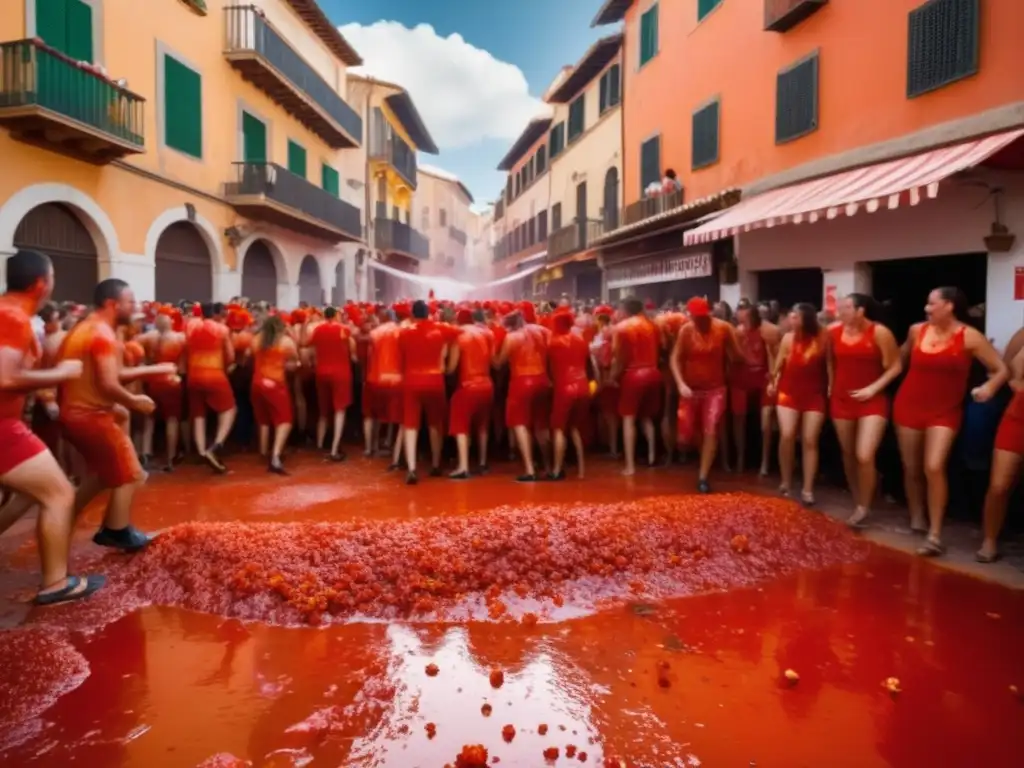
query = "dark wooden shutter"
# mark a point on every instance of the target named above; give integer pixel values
(705, 135)
(330, 180)
(614, 85)
(296, 159)
(943, 44)
(254, 139)
(650, 163)
(796, 100)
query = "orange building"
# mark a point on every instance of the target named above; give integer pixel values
(839, 117)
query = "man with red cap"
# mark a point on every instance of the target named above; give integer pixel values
(568, 356)
(700, 359)
(471, 357)
(635, 351)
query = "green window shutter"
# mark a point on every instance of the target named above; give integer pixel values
(704, 7)
(52, 23)
(296, 159)
(329, 180)
(650, 163)
(183, 108)
(254, 139)
(79, 31)
(614, 85)
(648, 34)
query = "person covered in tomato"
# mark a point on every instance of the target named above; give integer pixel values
(210, 357)
(470, 357)
(704, 350)
(332, 350)
(864, 359)
(275, 355)
(928, 410)
(382, 391)
(636, 350)
(422, 347)
(669, 323)
(607, 387)
(800, 379)
(568, 358)
(165, 346)
(748, 382)
(1007, 457)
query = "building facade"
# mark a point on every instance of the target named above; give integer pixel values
(888, 168)
(194, 149)
(442, 206)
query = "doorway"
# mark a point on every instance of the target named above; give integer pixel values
(790, 286)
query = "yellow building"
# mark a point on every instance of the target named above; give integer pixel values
(190, 147)
(395, 132)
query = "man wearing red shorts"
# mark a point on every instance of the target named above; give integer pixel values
(699, 364)
(165, 346)
(635, 351)
(568, 356)
(471, 357)
(210, 354)
(525, 349)
(275, 355)
(382, 394)
(607, 387)
(669, 323)
(27, 467)
(422, 347)
(95, 408)
(333, 351)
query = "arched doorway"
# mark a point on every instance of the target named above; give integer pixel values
(310, 290)
(259, 273)
(183, 266)
(338, 296)
(611, 199)
(56, 230)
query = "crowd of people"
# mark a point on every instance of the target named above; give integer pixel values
(85, 393)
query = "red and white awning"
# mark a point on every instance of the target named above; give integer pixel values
(892, 184)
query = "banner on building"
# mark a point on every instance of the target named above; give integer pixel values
(663, 270)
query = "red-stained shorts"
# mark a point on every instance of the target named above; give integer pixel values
(105, 446)
(528, 399)
(703, 412)
(214, 395)
(333, 393)
(383, 402)
(640, 393)
(471, 408)
(919, 417)
(845, 408)
(570, 406)
(740, 399)
(802, 402)
(169, 397)
(271, 403)
(419, 399)
(608, 400)
(1010, 436)
(18, 444)
(46, 429)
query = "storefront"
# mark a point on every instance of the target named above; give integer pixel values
(575, 280)
(670, 279)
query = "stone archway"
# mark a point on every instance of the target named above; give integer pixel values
(184, 268)
(310, 287)
(259, 273)
(56, 230)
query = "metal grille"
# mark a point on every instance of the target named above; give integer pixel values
(943, 42)
(705, 135)
(259, 274)
(796, 100)
(183, 266)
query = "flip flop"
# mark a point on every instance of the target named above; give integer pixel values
(72, 591)
(981, 557)
(931, 549)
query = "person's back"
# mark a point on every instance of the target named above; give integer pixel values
(271, 358)
(568, 354)
(205, 344)
(421, 346)
(90, 339)
(528, 351)
(384, 367)
(476, 350)
(638, 343)
(331, 343)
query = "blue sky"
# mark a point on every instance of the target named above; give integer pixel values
(473, 105)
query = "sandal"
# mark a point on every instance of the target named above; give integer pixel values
(986, 558)
(76, 588)
(931, 548)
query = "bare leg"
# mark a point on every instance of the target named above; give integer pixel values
(339, 430)
(543, 438)
(846, 431)
(281, 433)
(397, 446)
(789, 423)
(611, 424)
(225, 421)
(739, 437)
(369, 437)
(652, 448)
(16, 507)
(1005, 470)
(629, 444)
(559, 460)
(410, 437)
(937, 443)
(119, 508)
(148, 426)
(321, 431)
(577, 442)
(264, 432)
(481, 444)
(708, 449)
(462, 447)
(870, 431)
(767, 419)
(199, 434)
(171, 437)
(911, 443)
(522, 437)
(810, 435)
(436, 444)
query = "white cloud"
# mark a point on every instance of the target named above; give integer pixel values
(441, 173)
(463, 92)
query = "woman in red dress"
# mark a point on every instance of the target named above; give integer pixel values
(1006, 463)
(864, 359)
(929, 405)
(799, 377)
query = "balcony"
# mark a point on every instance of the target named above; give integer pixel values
(386, 146)
(648, 207)
(573, 238)
(265, 59)
(456, 234)
(393, 236)
(783, 15)
(269, 192)
(49, 100)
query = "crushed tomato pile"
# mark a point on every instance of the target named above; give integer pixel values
(509, 564)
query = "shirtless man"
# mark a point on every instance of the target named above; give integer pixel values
(332, 350)
(210, 357)
(635, 352)
(26, 465)
(164, 346)
(470, 356)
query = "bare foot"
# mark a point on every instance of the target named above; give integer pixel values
(628, 472)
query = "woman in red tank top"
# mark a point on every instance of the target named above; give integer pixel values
(748, 381)
(929, 405)
(1006, 463)
(864, 359)
(799, 377)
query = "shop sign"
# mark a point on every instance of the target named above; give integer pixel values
(660, 270)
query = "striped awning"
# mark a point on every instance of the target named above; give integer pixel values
(905, 181)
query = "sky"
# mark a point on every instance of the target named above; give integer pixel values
(476, 71)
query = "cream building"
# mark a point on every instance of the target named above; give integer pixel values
(441, 210)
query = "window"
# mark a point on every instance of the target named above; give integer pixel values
(796, 100)
(705, 135)
(296, 158)
(540, 160)
(67, 26)
(650, 163)
(577, 117)
(542, 225)
(648, 34)
(943, 44)
(442, 216)
(519, 180)
(183, 108)
(704, 7)
(556, 140)
(425, 219)
(254, 139)
(329, 180)
(610, 89)
(396, 214)
(556, 217)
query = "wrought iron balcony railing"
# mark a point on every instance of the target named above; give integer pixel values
(647, 207)
(573, 238)
(395, 236)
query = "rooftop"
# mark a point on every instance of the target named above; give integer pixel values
(533, 131)
(611, 12)
(597, 57)
(314, 16)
